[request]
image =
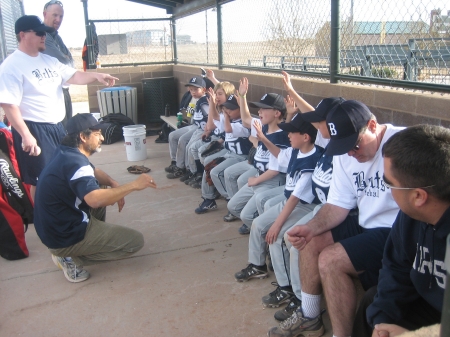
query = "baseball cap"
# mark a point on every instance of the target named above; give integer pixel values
(196, 81)
(322, 109)
(270, 101)
(31, 22)
(81, 122)
(231, 103)
(298, 124)
(344, 123)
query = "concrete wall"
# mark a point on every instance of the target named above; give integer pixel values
(389, 105)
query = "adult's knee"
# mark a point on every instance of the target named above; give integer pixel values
(330, 259)
(137, 242)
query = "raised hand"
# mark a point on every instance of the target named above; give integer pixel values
(291, 107)
(258, 128)
(287, 82)
(211, 97)
(243, 86)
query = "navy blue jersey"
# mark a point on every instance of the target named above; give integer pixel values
(60, 214)
(262, 155)
(236, 144)
(298, 166)
(321, 179)
(201, 113)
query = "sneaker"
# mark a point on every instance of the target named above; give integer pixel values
(205, 206)
(244, 230)
(278, 296)
(187, 175)
(250, 272)
(229, 217)
(176, 173)
(297, 325)
(197, 179)
(192, 179)
(55, 261)
(72, 273)
(171, 167)
(287, 312)
(195, 185)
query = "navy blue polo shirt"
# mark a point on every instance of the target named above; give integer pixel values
(61, 215)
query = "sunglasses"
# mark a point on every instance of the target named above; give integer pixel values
(53, 2)
(388, 185)
(40, 34)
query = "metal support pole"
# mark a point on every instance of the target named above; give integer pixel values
(90, 52)
(335, 41)
(219, 35)
(173, 26)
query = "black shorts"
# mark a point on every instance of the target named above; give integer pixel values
(48, 137)
(364, 247)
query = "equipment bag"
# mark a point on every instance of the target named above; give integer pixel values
(16, 207)
(111, 126)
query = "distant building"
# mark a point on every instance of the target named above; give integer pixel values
(10, 11)
(360, 33)
(440, 24)
(151, 37)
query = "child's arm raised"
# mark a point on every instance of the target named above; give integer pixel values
(274, 150)
(245, 112)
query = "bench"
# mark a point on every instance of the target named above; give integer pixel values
(171, 121)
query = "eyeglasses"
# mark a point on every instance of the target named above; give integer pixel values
(388, 185)
(53, 2)
(40, 34)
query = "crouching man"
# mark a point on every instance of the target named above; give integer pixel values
(70, 204)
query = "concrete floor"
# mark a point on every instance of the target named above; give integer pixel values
(180, 284)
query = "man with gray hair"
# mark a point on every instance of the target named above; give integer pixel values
(54, 46)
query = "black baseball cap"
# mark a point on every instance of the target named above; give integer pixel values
(344, 123)
(298, 124)
(196, 81)
(81, 122)
(231, 103)
(322, 109)
(31, 22)
(270, 101)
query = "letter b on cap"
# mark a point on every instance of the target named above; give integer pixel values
(332, 128)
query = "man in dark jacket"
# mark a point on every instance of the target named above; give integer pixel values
(412, 280)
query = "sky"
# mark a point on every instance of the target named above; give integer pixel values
(238, 25)
(73, 30)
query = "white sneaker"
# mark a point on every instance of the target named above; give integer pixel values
(72, 273)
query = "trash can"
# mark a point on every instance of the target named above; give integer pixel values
(159, 92)
(118, 100)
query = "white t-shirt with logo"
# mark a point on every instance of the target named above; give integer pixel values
(361, 185)
(34, 85)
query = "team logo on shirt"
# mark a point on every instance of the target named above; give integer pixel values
(372, 186)
(424, 264)
(47, 75)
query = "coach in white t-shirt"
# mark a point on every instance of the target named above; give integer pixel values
(31, 95)
(332, 255)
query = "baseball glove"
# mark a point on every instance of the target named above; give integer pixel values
(251, 155)
(212, 148)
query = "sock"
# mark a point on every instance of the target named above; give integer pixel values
(311, 305)
(200, 167)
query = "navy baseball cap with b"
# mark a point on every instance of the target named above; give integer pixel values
(344, 123)
(196, 81)
(298, 124)
(322, 109)
(81, 122)
(31, 22)
(231, 103)
(270, 101)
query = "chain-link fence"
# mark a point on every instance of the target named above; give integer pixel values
(382, 41)
(10, 11)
